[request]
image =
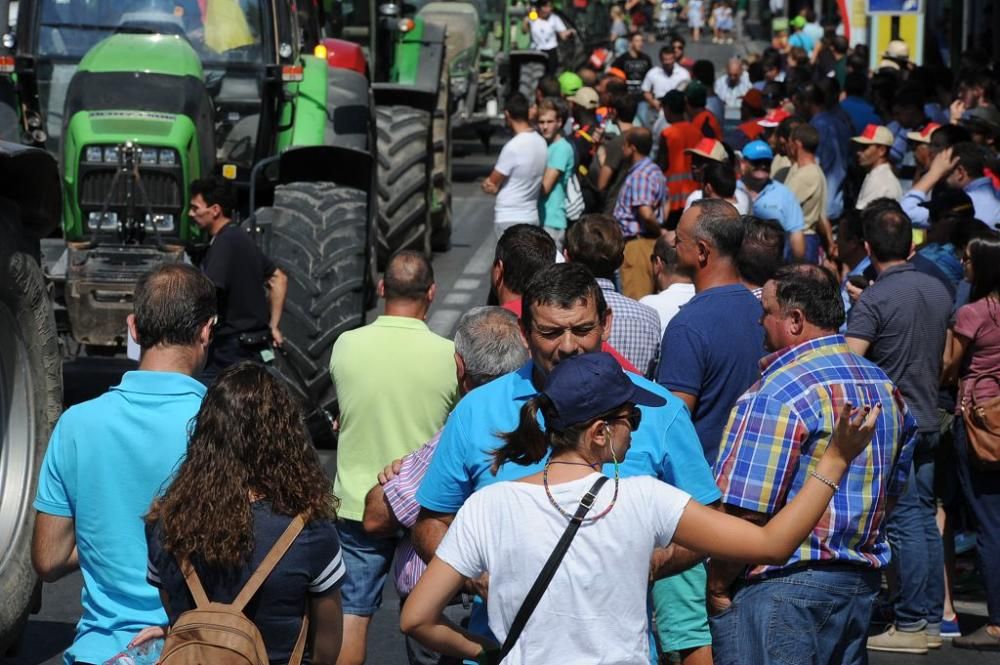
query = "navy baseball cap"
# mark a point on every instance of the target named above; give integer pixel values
(589, 385)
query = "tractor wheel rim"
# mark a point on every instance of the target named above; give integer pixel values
(17, 454)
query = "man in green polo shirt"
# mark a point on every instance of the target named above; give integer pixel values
(396, 383)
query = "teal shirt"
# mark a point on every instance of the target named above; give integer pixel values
(552, 207)
(106, 461)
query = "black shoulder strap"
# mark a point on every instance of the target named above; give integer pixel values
(549, 570)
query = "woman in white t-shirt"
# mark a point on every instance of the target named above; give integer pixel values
(594, 609)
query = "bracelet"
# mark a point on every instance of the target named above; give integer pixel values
(826, 481)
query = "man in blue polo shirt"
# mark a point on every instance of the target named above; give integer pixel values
(564, 315)
(771, 199)
(107, 459)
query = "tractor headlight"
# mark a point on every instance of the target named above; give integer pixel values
(109, 223)
(94, 153)
(111, 154)
(168, 157)
(164, 223)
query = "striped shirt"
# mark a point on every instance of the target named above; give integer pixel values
(401, 494)
(780, 428)
(644, 186)
(636, 329)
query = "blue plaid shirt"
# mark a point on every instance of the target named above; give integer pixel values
(644, 186)
(635, 329)
(779, 429)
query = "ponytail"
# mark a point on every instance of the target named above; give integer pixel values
(527, 444)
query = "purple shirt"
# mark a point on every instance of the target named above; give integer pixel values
(401, 494)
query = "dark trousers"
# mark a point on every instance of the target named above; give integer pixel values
(552, 66)
(225, 352)
(982, 491)
(809, 615)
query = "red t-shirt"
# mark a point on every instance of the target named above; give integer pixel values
(515, 307)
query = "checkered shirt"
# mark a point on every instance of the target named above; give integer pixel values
(644, 186)
(635, 329)
(401, 494)
(779, 429)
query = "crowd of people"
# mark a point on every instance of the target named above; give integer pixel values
(772, 342)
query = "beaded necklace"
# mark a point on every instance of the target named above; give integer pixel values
(552, 499)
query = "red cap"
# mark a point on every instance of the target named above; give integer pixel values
(754, 99)
(774, 117)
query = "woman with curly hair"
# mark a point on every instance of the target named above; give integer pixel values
(250, 470)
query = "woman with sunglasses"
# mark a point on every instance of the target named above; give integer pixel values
(596, 602)
(972, 357)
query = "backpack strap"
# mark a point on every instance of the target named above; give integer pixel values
(269, 562)
(194, 584)
(300, 643)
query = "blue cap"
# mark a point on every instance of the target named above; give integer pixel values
(589, 385)
(757, 150)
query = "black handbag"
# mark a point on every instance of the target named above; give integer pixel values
(493, 656)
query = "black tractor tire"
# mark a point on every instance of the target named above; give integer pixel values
(441, 170)
(528, 76)
(30, 402)
(318, 239)
(403, 220)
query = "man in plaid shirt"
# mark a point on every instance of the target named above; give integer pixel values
(818, 604)
(596, 242)
(639, 211)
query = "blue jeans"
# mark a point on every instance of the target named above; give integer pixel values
(808, 615)
(367, 560)
(916, 543)
(982, 491)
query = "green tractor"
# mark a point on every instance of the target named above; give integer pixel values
(134, 100)
(406, 57)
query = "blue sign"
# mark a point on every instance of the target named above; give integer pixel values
(894, 7)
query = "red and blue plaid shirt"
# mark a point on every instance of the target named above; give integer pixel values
(779, 429)
(644, 186)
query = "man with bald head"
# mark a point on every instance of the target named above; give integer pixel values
(395, 383)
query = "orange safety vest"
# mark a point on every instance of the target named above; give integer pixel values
(708, 124)
(680, 183)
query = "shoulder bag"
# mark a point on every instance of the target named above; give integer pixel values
(982, 426)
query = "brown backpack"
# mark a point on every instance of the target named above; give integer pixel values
(221, 634)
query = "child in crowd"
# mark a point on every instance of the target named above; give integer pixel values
(696, 18)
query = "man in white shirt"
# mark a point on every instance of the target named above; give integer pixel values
(673, 288)
(546, 31)
(880, 182)
(661, 80)
(731, 87)
(516, 179)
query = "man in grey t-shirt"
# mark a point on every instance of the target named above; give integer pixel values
(516, 179)
(899, 323)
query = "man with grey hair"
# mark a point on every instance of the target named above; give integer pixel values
(488, 344)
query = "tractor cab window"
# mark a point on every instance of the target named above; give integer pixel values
(225, 34)
(219, 30)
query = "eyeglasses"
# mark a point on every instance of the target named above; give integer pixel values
(634, 418)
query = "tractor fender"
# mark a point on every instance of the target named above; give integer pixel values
(30, 177)
(349, 108)
(326, 163)
(419, 81)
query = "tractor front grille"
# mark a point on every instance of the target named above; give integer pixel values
(162, 187)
